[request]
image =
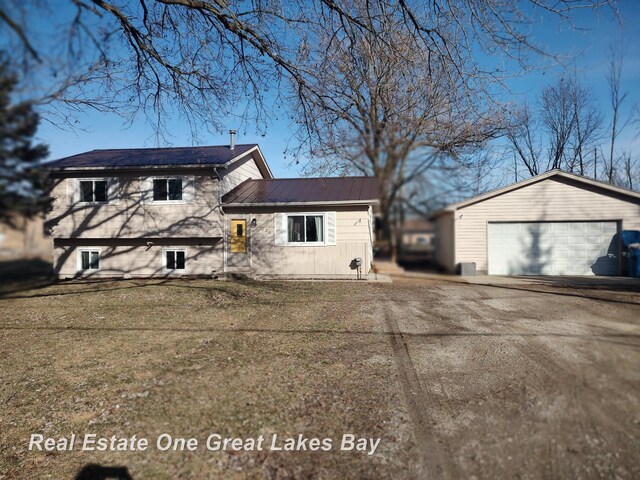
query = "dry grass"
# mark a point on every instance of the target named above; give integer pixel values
(190, 358)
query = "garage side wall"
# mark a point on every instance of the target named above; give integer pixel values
(444, 241)
(548, 200)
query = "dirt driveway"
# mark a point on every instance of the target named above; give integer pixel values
(459, 381)
(530, 380)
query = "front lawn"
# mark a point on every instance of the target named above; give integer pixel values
(194, 358)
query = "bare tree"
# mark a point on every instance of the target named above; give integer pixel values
(587, 131)
(558, 118)
(560, 133)
(396, 113)
(201, 59)
(521, 133)
(617, 99)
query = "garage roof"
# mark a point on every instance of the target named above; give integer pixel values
(293, 191)
(551, 173)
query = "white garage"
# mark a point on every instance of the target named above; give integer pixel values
(556, 223)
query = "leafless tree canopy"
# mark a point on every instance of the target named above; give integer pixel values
(202, 59)
(567, 130)
(559, 132)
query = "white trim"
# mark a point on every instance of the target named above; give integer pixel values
(183, 178)
(79, 259)
(364, 203)
(255, 148)
(323, 243)
(78, 189)
(164, 259)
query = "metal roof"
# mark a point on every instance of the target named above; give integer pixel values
(288, 191)
(151, 157)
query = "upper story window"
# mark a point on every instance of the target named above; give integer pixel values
(93, 191)
(167, 189)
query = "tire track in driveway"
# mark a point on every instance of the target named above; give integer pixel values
(435, 458)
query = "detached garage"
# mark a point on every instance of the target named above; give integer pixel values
(556, 223)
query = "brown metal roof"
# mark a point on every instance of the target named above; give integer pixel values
(305, 190)
(151, 157)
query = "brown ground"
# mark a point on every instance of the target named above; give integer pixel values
(503, 381)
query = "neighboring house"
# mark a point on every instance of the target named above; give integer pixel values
(417, 237)
(556, 223)
(24, 238)
(206, 211)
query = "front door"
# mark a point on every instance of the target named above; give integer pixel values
(238, 257)
(238, 236)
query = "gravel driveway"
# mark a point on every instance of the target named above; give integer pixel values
(521, 380)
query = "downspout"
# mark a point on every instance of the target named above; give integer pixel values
(224, 221)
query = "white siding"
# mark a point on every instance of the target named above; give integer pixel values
(239, 172)
(204, 257)
(353, 239)
(555, 200)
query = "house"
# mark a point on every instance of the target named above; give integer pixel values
(417, 237)
(205, 211)
(556, 223)
(24, 238)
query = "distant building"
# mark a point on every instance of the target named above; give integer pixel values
(24, 238)
(417, 238)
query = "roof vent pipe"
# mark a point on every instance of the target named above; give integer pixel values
(232, 139)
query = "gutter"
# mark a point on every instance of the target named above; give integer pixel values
(303, 204)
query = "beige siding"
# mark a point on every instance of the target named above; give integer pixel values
(138, 259)
(353, 239)
(547, 200)
(238, 173)
(444, 241)
(129, 214)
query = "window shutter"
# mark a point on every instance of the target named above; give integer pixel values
(73, 191)
(188, 189)
(280, 228)
(146, 189)
(331, 228)
(113, 190)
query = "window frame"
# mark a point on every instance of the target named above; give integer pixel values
(90, 250)
(93, 180)
(164, 259)
(307, 214)
(166, 178)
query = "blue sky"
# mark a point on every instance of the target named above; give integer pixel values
(588, 49)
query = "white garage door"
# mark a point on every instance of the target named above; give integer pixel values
(553, 248)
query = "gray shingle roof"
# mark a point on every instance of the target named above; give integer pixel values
(305, 190)
(151, 157)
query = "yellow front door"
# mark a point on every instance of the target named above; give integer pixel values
(238, 236)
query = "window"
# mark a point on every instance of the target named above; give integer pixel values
(89, 259)
(94, 191)
(305, 228)
(167, 189)
(175, 260)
